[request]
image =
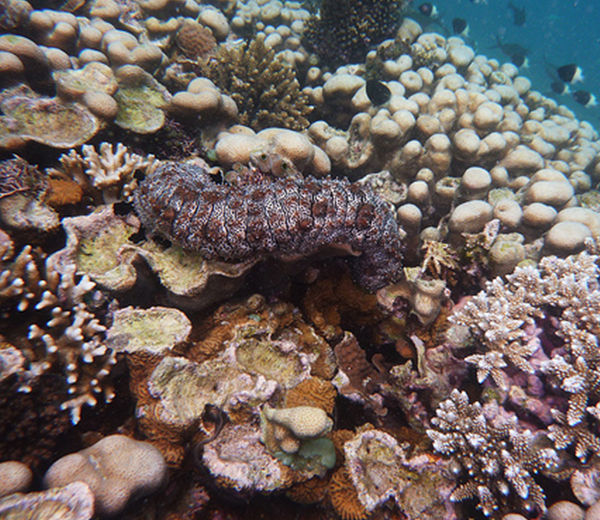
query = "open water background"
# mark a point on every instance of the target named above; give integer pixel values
(565, 31)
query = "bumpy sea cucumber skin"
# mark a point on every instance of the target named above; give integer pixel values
(259, 216)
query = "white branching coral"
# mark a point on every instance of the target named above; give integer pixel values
(111, 171)
(497, 457)
(499, 318)
(62, 332)
(566, 293)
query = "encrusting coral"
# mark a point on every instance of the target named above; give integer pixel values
(263, 85)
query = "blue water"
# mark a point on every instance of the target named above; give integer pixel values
(566, 31)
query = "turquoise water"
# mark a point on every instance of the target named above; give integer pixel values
(565, 31)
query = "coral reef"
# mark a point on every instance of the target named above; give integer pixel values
(117, 469)
(263, 85)
(262, 223)
(62, 331)
(254, 368)
(344, 30)
(498, 458)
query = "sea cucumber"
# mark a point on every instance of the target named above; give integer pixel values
(254, 215)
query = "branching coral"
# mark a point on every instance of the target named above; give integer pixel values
(565, 293)
(111, 171)
(62, 331)
(499, 459)
(263, 86)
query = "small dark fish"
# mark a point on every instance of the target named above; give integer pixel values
(519, 14)
(585, 98)
(460, 26)
(378, 92)
(510, 49)
(520, 60)
(560, 88)
(428, 9)
(570, 73)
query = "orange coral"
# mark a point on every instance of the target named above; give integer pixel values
(61, 192)
(344, 497)
(335, 302)
(312, 392)
(311, 491)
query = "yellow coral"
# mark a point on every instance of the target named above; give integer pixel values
(304, 422)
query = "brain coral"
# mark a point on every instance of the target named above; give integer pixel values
(257, 216)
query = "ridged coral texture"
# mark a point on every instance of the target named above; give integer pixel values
(258, 216)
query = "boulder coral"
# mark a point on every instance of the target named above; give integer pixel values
(117, 469)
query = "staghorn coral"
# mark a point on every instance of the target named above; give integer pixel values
(262, 84)
(498, 458)
(344, 30)
(260, 217)
(61, 331)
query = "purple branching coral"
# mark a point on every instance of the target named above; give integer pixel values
(498, 458)
(257, 216)
(544, 323)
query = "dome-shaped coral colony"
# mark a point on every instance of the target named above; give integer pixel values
(240, 247)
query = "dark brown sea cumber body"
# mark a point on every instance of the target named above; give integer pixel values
(256, 215)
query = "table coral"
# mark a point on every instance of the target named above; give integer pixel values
(50, 121)
(271, 217)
